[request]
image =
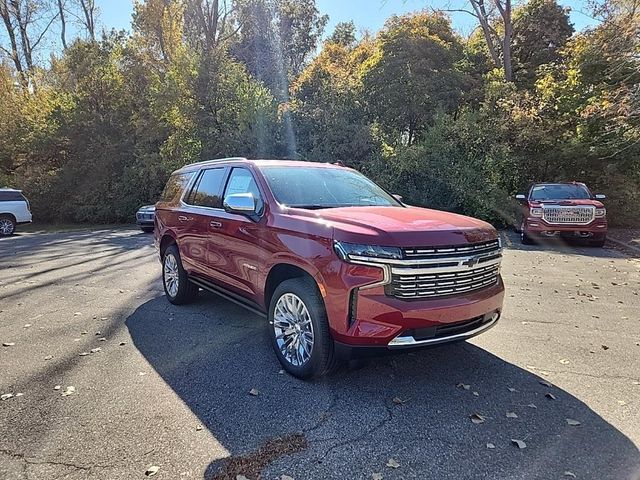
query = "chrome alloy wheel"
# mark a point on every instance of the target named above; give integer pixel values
(293, 329)
(6, 227)
(171, 274)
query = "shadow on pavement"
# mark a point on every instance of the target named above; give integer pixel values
(211, 353)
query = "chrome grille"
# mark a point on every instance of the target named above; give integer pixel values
(559, 215)
(445, 271)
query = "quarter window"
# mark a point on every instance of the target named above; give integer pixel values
(175, 186)
(207, 191)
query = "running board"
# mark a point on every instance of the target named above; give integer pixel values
(227, 295)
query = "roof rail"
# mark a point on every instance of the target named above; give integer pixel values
(215, 160)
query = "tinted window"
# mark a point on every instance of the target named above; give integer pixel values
(9, 196)
(241, 181)
(207, 191)
(559, 192)
(318, 187)
(175, 186)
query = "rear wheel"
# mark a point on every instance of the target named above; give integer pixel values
(177, 287)
(299, 329)
(7, 225)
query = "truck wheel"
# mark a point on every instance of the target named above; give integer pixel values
(177, 287)
(7, 225)
(524, 238)
(598, 242)
(299, 329)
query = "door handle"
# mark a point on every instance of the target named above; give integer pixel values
(182, 218)
(215, 224)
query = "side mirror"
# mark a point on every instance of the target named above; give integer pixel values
(521, 197)
(240, 203)
(600, 196)
(397, 197)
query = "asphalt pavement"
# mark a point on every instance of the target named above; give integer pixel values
(155, 385)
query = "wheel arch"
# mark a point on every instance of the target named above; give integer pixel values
(165, 242)
(285, 271)
(9, 215)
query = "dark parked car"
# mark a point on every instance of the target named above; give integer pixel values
(334, 262)
(145, 218)
(567, 210)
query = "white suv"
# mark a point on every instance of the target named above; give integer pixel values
(14, 210)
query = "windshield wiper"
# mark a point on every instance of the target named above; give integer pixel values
(312, 206)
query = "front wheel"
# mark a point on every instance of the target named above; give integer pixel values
(177, 287)
(524, 238)
(7, 225)
(299, 329)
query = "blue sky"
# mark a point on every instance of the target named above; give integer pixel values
(367, 14)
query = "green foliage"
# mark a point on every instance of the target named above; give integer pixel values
(417, 108)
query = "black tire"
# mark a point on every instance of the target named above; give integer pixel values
(322, 359)
(147, 229)
(7, 225)
(524, 238)
(185, 291)
(598, 242)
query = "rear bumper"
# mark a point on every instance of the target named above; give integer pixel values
(536, 226)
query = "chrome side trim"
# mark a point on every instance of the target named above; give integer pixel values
(409, 341)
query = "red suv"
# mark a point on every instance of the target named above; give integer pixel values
(566, 210)
(334, 262)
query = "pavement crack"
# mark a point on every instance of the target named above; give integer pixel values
(30, 461)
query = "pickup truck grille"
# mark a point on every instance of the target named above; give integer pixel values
(579, 215)
(446, 271)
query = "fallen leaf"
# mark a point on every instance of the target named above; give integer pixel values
(531, 405)
(399, 401)
(254, 392)
(376, 476)
(102, 339)
(27, 325)
(198, 428)
(491, 445)
(604, 347)
(550, 396)
(8, 344)
(463, 385)
(569, 474)
(476, 394)
(622, 402)
(83, 354)
(48, 357)
(572, 422)
(519, 443)
(6, 396)
(57, 387)
(152, 470)
(392, 463)
(545, 383)
(96, 350)
(69, 391)
(477, 418)
(564, 361)
(511, 415)
(123, 343)
(77, 313)
(511, 389)
(281, 371)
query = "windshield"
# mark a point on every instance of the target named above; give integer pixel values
(560, 192)
(317, 187)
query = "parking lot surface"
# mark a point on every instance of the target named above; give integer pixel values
(169, 387)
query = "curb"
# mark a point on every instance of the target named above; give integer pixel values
(624, 245)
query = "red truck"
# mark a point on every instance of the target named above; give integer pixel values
(567, 210)
(336, 264)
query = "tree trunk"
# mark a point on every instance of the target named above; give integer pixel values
(63, 25)
(15, 56)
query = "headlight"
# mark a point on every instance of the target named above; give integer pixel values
(354, 251)
(601, 212)
(536, 211)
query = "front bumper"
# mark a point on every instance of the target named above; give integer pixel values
(535, 226)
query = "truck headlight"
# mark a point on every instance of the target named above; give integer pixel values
(536, 211)
(354, 251)
(601, 212)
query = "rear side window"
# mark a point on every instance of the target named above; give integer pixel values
(11, 196)
(208, 191)
(175, 186)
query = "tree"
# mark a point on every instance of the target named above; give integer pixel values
(413, 74)
(541, 29)
(343, 34)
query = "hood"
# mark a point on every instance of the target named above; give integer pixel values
(574, 202)
(148, 208)
(401, 227)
